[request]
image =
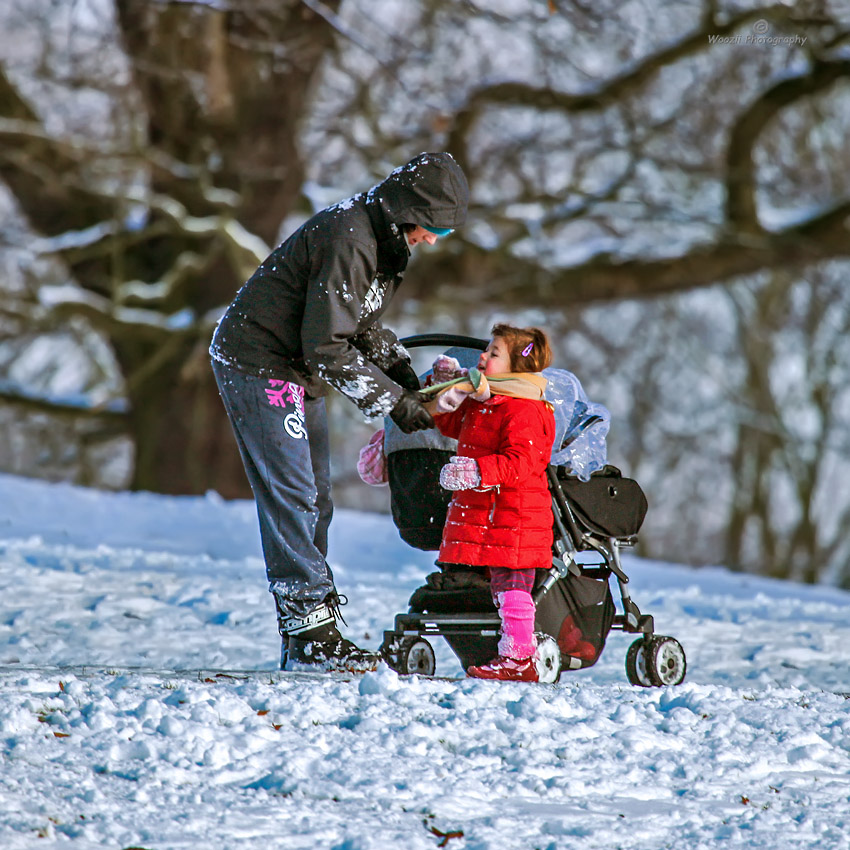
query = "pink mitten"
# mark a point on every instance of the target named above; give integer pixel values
(444, 369)
(451, 399)
(461, 473)
(372, 465)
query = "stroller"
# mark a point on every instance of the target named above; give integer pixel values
(596, 512)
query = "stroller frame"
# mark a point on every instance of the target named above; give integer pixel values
(651, 661)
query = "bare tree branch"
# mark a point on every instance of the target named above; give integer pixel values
(741, 212)
(608, 92)
(66, 409)
(510, 280)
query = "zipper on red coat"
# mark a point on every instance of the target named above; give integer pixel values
(493, 504)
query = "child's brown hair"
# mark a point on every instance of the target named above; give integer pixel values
(529, 347)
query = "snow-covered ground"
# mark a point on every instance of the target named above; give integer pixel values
(103, 596)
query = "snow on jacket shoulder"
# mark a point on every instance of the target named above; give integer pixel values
(510, 524)
(311, 312)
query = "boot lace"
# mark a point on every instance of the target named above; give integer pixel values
(334, 601)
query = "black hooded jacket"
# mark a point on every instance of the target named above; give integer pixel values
(311, 312)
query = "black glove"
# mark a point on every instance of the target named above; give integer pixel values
(402, 373)
(410, 415)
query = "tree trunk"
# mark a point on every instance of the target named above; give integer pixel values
(223, 91)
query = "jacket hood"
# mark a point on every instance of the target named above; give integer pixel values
(429, 190)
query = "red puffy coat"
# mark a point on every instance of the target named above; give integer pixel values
(511, 525)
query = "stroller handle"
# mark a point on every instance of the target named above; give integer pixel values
(444, 341)
(582, 426)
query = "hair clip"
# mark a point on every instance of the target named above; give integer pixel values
(527, 350)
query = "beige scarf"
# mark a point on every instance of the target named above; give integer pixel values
(514, 384)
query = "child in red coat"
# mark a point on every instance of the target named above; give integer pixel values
(500, 515)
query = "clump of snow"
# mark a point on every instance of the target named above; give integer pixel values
(343, 206)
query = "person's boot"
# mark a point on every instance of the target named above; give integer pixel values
(314, 642)
(506, 670)
(339, 654)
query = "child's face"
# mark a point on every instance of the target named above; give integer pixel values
(496, 359)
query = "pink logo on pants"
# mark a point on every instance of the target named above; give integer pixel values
(279, 394)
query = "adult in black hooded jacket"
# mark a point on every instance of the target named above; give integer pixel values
(309, 318)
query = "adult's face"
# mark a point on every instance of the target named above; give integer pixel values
(418, 235)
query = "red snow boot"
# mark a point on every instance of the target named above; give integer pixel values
(506, 670)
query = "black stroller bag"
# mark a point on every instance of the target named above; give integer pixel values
(578, 612)
(608, 504)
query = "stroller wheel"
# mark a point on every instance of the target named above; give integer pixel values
(636, 664)
(416, 655)
(656, 662)
(548, 659)
(665, 662)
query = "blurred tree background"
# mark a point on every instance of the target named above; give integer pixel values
(664, 186)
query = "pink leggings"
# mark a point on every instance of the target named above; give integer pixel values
(511, 591)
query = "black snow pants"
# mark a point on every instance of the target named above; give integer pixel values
(284, 444)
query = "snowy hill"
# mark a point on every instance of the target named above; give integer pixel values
(103, 595)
